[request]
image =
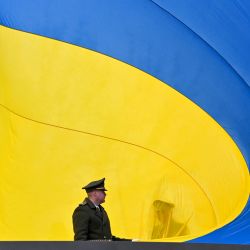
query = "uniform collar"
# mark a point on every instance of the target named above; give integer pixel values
(91, 204)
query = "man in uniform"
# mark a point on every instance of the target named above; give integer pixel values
(90, 220)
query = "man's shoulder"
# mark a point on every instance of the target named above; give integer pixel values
(83, 203)
(82, 207)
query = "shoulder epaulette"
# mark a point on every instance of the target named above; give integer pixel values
(83, 203)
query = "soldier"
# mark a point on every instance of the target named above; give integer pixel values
(90, 220)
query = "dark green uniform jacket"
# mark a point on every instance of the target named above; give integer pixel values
(91, 223)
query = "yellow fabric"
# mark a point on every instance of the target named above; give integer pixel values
(69, 116)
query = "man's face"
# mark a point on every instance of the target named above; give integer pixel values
(100, 196)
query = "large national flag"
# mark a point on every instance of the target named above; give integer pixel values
(153, 95)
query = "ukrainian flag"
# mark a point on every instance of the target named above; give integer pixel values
(152, 95)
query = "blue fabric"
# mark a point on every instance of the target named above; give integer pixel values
(146, 36)
(221, 24)
(200, 48)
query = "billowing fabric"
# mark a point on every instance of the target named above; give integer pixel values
(153, 95)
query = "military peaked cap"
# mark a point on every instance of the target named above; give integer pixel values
(95, 185)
